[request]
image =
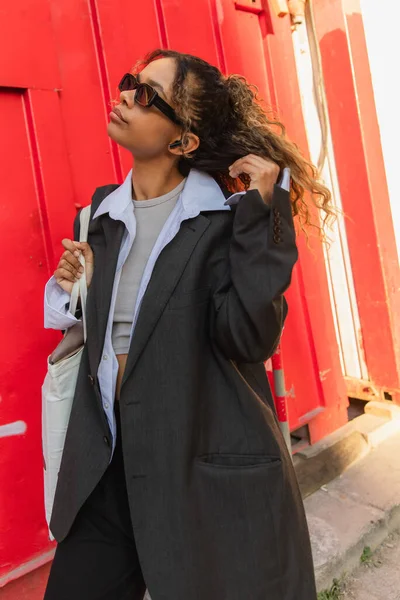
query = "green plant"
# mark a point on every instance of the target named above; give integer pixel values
(334, 593)
(366, 555)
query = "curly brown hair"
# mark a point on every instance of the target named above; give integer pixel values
(230, 120)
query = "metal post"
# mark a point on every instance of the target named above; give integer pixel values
(280, 396)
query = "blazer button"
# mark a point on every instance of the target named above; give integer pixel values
(276, 239)
(106, 440)
(277, 229)
(276, 212)
(91, 379)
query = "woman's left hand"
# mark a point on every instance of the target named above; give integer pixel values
(263, 173)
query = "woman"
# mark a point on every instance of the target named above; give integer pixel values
(174, 475)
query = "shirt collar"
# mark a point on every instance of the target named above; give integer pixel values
(201, 193)
(118, 201)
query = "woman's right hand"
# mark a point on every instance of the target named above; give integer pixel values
(69, 269)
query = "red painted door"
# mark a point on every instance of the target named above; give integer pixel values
(36, 202)
(23, 347)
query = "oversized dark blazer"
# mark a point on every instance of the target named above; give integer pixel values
(215, 506)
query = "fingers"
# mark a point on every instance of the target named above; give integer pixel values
(263, 174)
(62, 274)
(253, 159)
(69, 266)
(70, 245)
(243, 166)
(65, 263)
(253, 165)
(85, 249)
(71, 259)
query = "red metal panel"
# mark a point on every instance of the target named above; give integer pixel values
(250, 42)
(305, 396)
(24, 347)
(362, 185)
(52, 171)
(252, 6)
(27, 57)
(228, 25)
(242, 34)
(83, 101)
(311, 357)
(120, 43)
(189, 27)
(382, 216)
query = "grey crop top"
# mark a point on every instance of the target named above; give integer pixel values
(150, 218)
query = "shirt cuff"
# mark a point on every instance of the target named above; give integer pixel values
(283, 183)
(56, 313)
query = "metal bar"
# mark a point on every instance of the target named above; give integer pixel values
(280, 396)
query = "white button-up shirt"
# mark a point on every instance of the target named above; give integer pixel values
(201, 193)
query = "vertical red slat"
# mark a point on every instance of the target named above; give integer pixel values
(99, 46)
(250, 45)
(362, 185)
(122, 42)
(38, 179)
(216, 16)
(161, 23)
(189, 27)
(57, 204)
(25, 345)
(229, 34)
(83, 108)
(383, 220)
(312, 356)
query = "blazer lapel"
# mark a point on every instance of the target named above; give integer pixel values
(165, 276)
(106, 257)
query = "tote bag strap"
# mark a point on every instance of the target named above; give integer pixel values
(80, 288)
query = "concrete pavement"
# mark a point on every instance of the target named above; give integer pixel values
(378, 578)
(358, 509)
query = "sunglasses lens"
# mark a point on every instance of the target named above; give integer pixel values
(144, 94)
(128, 82)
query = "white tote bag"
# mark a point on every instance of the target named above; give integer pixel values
(58, 388)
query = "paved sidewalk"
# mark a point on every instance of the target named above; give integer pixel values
(378, 578)
(356, 510)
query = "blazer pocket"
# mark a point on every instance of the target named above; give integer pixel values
(189, 298)
(236, 461)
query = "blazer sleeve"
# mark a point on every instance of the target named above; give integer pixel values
(249, 308)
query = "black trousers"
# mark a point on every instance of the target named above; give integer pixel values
(98, 558)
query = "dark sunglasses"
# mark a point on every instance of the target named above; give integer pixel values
(147, 96)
